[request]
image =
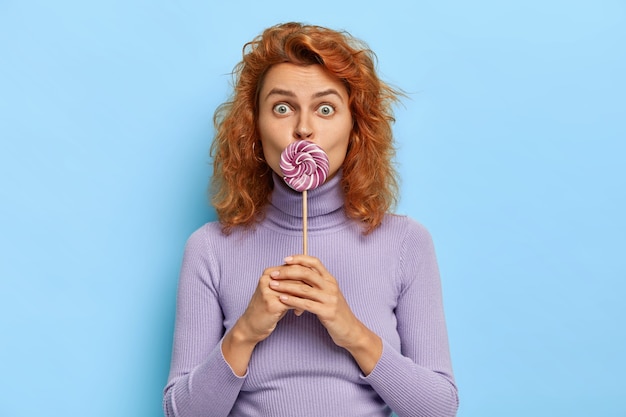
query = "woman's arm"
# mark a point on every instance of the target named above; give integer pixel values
(201, 382)
(418, 380)
(208, 367)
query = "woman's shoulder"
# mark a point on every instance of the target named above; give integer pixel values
(404, 224)
(410, 234)
(205, 234)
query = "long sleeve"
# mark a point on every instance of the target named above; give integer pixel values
(418, 381)
(201, 383)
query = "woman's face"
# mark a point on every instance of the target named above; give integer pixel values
(303, 102)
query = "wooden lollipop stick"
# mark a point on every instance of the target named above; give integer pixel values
(304, 223)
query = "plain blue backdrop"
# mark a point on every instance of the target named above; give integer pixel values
(511, 150)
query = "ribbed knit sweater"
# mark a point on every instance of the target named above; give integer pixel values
(389, 278)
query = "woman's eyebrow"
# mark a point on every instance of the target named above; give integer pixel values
(327, 93)
(280, 92)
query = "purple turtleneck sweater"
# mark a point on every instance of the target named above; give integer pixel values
(390, 280)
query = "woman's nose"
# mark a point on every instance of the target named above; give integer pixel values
(303, 130)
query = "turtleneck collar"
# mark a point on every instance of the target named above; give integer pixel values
(324, 204)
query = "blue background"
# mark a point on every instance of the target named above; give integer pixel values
(511, 148)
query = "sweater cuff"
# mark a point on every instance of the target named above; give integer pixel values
(395, 377)
(212, 385)
(408, 388)
(387, 366)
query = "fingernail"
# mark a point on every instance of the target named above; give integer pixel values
(274, 273)
(274, 283)
(283, 297)
(288, 259)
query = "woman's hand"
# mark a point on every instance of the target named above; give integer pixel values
(264, 310)
(263, 313)
(304, 284)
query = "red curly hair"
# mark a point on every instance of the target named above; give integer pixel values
(241, 184)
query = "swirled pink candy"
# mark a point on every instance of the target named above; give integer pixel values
(304, 165)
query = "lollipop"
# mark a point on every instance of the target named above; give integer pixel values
(305, 167)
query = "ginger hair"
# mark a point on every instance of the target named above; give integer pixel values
(242, 183)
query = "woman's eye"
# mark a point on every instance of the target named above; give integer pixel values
(326, 109)
(281, 109)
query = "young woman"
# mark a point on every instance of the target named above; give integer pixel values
(356, 329)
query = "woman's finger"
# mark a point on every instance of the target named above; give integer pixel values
(297, 273)
(307, 261)
(298, 289)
